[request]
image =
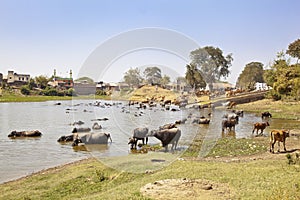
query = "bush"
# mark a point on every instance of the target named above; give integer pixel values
(25, 90)
(100, 92)
(50, 92)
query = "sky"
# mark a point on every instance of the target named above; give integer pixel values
(37, 37)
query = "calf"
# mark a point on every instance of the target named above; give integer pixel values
(138, 134)
(260, 126)
(279, 136)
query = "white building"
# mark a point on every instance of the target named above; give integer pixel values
(261, 86)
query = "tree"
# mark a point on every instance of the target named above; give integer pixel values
(284, 78)
(152, 75)
(31, 84)
(42, 81)
(132, 77)
(294, 49)
(252, 73)
(212, 64)
(85, 79)
(165, 80)
(193, 77)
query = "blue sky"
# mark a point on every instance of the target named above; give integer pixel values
(39, 36)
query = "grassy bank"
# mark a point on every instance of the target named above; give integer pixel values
(255, 174)
(279, 109)
(40, 98)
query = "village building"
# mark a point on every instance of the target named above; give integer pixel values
(62, 82)
(15, 79)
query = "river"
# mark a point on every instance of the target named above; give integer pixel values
(20, 157)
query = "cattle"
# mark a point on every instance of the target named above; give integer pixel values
(279, 136)
(96, 126)
(228, 123)
(138, 134)
(182, 121)
(66, 138)
(92, 138)
(231, 105)
(167, 126)
(240, 113)
(80, 130)
(34, 133)
(201, 120)
(266, 114)
(167, 136)
(260, 126)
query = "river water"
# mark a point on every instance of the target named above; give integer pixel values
(20, 157)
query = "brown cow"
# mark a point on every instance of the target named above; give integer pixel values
(260, 126)
(279, 136)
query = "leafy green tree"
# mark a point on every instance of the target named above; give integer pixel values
(152, 75)
(165, 80)
(132, 77)
(294, 49)
(193, 77)
(31, 84)
(41, 81)
(252, 73)
(212, 63)
(284, 78)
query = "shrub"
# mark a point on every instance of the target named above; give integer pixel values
(25, 90)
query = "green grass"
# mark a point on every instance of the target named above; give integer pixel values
(40, 98)
(278, 109)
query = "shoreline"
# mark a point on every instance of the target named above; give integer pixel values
(49, 170)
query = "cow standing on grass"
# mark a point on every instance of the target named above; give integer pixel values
(279, 136)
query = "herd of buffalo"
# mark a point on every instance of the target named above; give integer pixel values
(166, 134)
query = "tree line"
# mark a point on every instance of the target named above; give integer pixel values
(209, 65)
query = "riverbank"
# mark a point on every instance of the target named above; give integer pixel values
(278, 109)
(236, 169)
(40, 98)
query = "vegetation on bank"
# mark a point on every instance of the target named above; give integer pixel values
(91, 179)
(278, 109)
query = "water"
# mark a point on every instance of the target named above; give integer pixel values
(21, 157)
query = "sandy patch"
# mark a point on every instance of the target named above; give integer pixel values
(186, 188)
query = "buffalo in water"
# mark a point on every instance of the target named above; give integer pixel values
(266, 114)
(66, 138)
(167, 136)
(92, 138)
(138, 134)
(34, 133)
(80, 130)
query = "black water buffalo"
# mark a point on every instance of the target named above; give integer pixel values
(167, 126)
(280, 136)
(138, 134)
(96, 126)
(92, 138)
(66, 138)
(228, 123)
(80, 130)
(34, 133)
(201, 120)
(167, 136)
(266, 114)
